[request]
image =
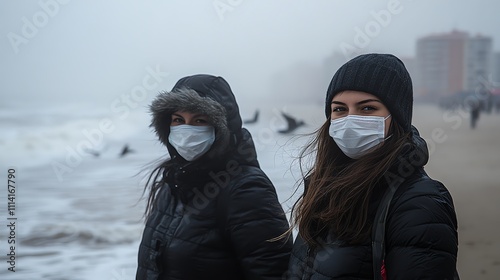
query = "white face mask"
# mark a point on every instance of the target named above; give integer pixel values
(190, 141)
(356, 135)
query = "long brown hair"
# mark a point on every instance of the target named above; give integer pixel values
(337, 190)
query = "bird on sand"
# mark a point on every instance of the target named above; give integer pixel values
(293, 123)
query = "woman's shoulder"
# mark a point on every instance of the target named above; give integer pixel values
(421, 185)
(422, 223)
(425, 198)
(244, 174)
(246, 186)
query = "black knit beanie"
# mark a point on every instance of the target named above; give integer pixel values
(382, 75)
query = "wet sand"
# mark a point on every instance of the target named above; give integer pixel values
(467, 161)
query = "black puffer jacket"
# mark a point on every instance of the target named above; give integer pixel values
(214, 217)
(421, 235)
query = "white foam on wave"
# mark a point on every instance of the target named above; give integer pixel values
(86, 233)
(31, 139)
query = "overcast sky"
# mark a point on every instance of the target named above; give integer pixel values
(55, 52)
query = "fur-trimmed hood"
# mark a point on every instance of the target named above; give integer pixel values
(205, 94)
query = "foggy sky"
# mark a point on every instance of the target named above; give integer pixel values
(94, 52)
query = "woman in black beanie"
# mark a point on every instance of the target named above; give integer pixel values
(369, 211)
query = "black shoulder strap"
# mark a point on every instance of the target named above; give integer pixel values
(378, 229)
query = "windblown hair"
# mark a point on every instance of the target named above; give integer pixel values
(154, 183)
(337, 189)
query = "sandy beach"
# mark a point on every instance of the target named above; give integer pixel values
(467, 161)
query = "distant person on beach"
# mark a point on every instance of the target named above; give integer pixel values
(369, 210)
(475, 110)
(211, 213)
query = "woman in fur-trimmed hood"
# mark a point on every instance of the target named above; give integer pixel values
(211, 210)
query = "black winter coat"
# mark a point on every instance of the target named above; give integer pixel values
(421, 240)
(213, 219)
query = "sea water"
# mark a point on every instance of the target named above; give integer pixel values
(79, 205)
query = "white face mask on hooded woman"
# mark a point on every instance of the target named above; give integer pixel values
(356, 135)
(190, 141)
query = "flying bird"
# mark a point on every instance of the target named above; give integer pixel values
(293, 124)
(96, 153)
(255, 118)
(92, 152)
(126, 150)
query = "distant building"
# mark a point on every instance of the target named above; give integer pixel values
(440, 65)
(479, 63)
(496, 70)
(452, 63)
